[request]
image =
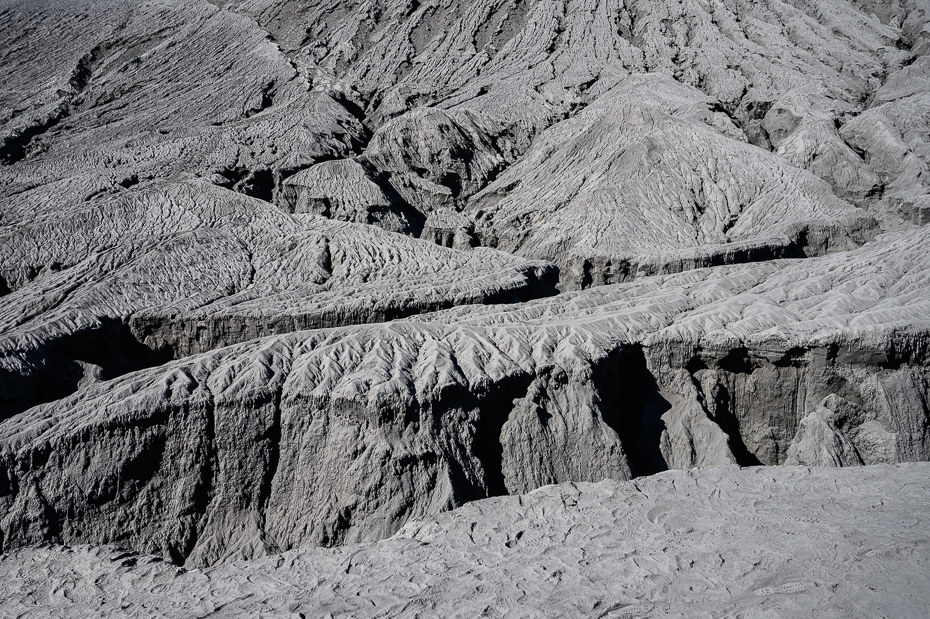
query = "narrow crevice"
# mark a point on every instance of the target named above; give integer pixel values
(627, 25)
(633, 406)
(205, 490)
(495, 408)
(737, 361)
(15, 147)
(414, 218)
(266, 99)
(726, 419)
(729, 225)
(267, 184)
(718, 404)
(357, 110)
(84, 71)
(594, 271)
(273, 436)
(721, 380)
(181, 337)
(118, 347)
(256, 183)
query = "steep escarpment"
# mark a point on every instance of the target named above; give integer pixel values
(245, 450)
(186, 267)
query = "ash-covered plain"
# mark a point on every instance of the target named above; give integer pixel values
(715, 542)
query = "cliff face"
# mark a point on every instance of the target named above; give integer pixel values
(342, 435)
(278, 274)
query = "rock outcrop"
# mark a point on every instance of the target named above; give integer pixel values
(180, 268)
(664, 190)
(892, 135)
(343, 435)
(786, 77)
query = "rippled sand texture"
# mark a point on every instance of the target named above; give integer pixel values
(718, 542)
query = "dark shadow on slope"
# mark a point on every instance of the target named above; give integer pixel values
(633, 406)
(594, 271)
(735, 362)
(113, 348)
(57, 369)
(15, 147)
(495, 408)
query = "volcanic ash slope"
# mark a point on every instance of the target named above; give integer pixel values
(180, 268)
(219, 335)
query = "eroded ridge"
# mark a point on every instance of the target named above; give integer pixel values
(245, 450)
(182, 268)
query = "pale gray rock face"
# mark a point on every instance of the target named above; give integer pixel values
(283, 274)
(717, 542)
(893, 135)
(342, 435)
(523, 66)
(820, 443)
(137, 91)
(450, 229)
